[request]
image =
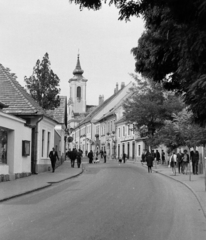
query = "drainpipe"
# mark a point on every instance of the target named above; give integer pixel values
(36, 143)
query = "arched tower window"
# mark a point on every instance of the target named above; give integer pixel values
(79, 93)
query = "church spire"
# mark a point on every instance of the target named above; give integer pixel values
(78, 70)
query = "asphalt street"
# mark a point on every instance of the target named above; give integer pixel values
(107, 202)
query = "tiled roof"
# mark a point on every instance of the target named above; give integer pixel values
(15, 96)
(99, 108)
(60, 113)
(113, 110)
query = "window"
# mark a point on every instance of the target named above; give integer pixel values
(42, 146)
(3, 145)
(79, 92)
(123, 134)
(128, 130)
(97, 129)
(48, 143)
(119, 132)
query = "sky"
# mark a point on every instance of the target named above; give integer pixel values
(30, 28)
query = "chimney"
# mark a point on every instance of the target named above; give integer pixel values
(101, 99)
(122, 85)
(117, 87)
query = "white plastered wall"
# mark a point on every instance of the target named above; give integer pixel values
(17, 132)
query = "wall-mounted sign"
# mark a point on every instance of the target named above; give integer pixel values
(25, 148)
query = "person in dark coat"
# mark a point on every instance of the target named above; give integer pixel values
(149, 160)
(157, 156)
(192, 157)
(73, 156)
(79, 158)
(90, 156)
(124, 157)
(53, 157)
(163, 157)
(105, 156)
(102, 153)
(196, 161)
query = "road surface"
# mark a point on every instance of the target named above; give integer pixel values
(107, 202)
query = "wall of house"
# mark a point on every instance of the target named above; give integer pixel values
(16, 133)
(45, 140)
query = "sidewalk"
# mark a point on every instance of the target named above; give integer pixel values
(22, 186)
(196, 185)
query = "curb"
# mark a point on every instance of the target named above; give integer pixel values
(196, 196)
(49, 184)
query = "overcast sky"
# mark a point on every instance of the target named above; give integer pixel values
(30, 28)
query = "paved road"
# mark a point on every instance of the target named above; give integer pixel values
(107, 202)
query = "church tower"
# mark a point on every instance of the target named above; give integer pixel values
(77, 93)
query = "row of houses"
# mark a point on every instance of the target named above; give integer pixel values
(27, 132)
(105, 128)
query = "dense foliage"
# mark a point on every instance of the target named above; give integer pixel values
(43, 84)
(181, 131)
(172, 50)
(149, 107)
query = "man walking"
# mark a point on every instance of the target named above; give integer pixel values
(196, 161)
(105, 156)
(79, 158)
(124, 157)
(73, 156)
(179, 161)
(53, 157)
(163, 157)
(90, 156)
(157, 156)
(149, 160)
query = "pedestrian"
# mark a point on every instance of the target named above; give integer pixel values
(157, 156)
(124, 157)
(90, 156)
(53, 157)
(179, 161)
(163, 157)
(105, 156)
(149, 160)
(143, 157)
(102, 153)
(79, 158)
(73, 156)
(192, 157)
(185, 161)
(173, 160)
(196, 160)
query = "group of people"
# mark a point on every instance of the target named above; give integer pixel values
(179, 160)
(93, 158)
(75, 155)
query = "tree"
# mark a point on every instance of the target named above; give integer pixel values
(149, 107)
(172, 50)
(43, 84)
(181, 131)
